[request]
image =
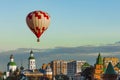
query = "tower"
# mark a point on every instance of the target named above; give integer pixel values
(11, 65)
(98, 71)
(110, 73)
(31, 61)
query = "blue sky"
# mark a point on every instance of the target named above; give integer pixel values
(73, 23)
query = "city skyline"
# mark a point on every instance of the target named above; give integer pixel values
(88, 54)
(80, 32)
(73, 24)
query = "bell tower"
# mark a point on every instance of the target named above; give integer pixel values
(31, 61)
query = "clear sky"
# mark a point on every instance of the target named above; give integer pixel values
(73, 23)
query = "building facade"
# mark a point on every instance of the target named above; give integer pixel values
(113, 60)
(98, 68)
(59, 67)
(73, 68)
(37, 74)
(11, 68)
(31, 61)
(48, 72)
(117, 68)
(11, 65)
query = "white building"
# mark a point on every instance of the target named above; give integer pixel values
(48, 70)
(11, 66)
(31, 62)
(74, 67)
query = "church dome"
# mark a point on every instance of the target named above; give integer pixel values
(31, 57)
(11, 64)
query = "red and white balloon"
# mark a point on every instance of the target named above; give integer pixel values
(38, 22)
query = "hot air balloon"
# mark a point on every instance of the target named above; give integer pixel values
(38, 22)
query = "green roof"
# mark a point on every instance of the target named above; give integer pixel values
(86, 65)
(110, 69)
(12, 63)
(31, 57)
(99, 59)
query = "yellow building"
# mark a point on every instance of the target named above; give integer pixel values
(36, 75)
(113, 60)
(58, 67)
(44, 66)
(39, 74)
(98, 68)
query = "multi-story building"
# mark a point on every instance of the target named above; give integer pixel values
(98, 68)
(113, 60)
(74, 67)
(59, 67)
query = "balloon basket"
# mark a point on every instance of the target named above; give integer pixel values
(38, 40)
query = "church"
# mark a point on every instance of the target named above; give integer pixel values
(33, 73)
(11, 68)
(28, 74)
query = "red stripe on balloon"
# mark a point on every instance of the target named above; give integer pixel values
(38, 34)
(30, 16)
(44, 14)
(36, 15)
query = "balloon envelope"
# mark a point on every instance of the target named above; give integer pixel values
(38, 22)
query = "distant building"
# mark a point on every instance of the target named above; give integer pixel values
(37, 74)
(98, 68)
(44, 66)
(74, 68)
(30, 75)
(31, 62)
(77, 76)
(48, 72)
(12, 69)
(117, 68)
(113, 60)
(58, 67)
(11, 65)
(110, 73)
(68, 68)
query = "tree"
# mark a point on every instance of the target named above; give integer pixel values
(87, 73)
